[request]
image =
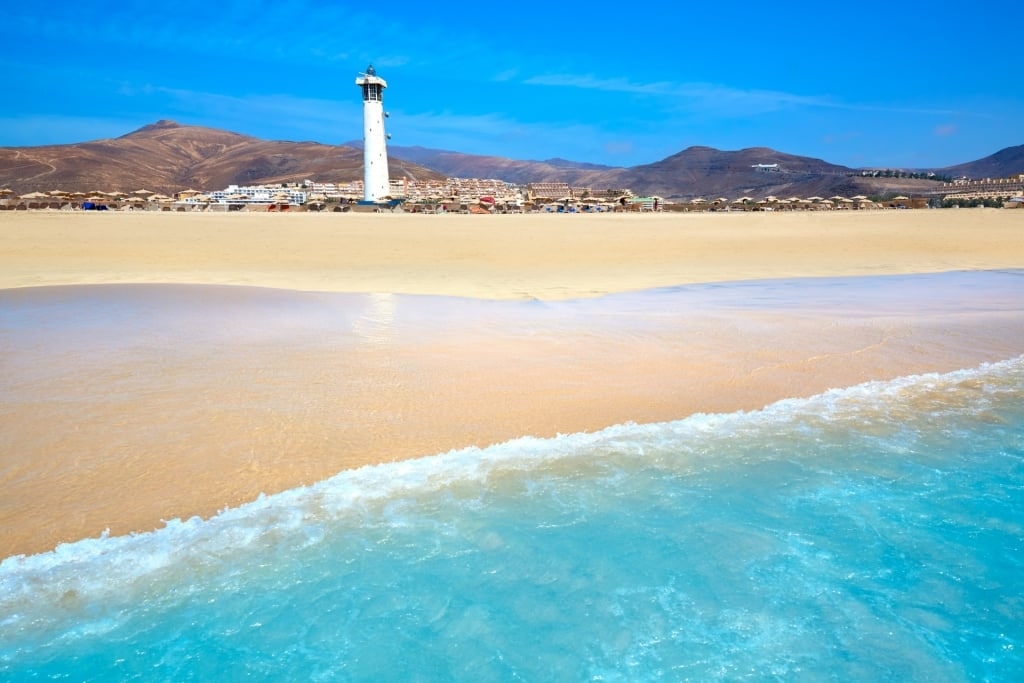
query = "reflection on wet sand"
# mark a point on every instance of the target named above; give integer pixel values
(125, 405)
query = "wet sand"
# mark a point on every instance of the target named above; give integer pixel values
(126, 405)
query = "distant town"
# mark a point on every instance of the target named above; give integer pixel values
(486, 196)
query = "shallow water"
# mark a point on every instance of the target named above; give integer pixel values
(866, 533)
(872, 533)
(125, 405)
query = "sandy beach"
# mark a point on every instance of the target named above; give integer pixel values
(126, 406)
(495, 257)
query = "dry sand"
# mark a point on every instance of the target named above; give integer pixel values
(496, 257)
(184, 401)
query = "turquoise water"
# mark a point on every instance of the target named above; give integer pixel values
(870, 533)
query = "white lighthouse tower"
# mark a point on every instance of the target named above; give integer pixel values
(376, 185)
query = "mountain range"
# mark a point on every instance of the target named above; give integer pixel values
(166, 157)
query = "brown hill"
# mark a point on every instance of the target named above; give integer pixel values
(458, 165)
(1003, 164)
(701, 171)
(167, 157)
(758, 172)
(694, 172)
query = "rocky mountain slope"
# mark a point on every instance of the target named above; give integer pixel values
(168, 157)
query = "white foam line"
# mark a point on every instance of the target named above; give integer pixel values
(96, 567)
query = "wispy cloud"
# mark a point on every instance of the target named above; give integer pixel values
(705, 97)
(723, 100)
(944, 130)
(589, 82)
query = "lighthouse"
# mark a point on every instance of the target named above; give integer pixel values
(376, 185)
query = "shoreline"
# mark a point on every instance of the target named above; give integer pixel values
(125, 405)
(128, 405)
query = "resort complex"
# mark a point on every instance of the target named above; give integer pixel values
(992, 188)
(476, 195)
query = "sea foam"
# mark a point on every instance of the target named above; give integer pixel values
(112, 567)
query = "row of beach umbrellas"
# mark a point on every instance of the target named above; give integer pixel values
(95, 195)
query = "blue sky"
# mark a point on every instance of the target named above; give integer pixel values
(889, 84)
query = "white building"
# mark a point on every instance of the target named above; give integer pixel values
(375, 153)
(255, 194)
